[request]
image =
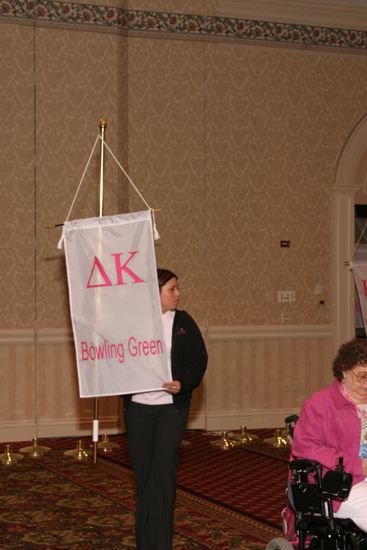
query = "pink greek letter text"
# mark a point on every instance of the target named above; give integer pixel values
(120, 268)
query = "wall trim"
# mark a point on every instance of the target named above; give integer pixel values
(17, 336)
(48, 336)
(112, 18)
(55, 336)
(269, 332)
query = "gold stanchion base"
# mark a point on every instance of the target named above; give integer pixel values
(35, 450)
(105, 445)
(79, 453)
(243, 437)
(9, 458)
(225, 443)
(280, 440)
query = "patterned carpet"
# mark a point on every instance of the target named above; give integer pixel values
(249, 480)
(226, 499)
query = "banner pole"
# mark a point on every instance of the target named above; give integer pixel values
(102, 129)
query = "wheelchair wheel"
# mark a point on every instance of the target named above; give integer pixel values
(279, 544)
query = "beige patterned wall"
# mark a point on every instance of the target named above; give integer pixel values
(17, 307)
(80, 77)
(244, 156)
(236, 143)
(167, 154)
(57, 86)
(275, 128)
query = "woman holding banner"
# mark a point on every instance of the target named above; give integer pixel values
(156, 421)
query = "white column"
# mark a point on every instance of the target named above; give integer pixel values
(342, 253)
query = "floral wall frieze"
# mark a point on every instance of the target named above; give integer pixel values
(180, 24)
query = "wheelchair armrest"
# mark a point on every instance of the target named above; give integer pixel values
(336, 485)
(304, 466)
(291, 419)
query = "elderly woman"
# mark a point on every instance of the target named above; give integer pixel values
(333, 424)
(156, 421)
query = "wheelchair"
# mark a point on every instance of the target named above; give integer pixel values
(309, 522)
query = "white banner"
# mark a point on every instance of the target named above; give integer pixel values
(115, 305)
(360, 277)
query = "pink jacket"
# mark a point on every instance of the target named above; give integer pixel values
(328, 428)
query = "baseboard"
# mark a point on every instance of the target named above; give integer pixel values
(26, 431)
(255, 419)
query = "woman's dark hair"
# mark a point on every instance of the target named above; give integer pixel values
(164, 275)
(350, 355)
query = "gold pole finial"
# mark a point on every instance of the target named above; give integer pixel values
(102, 123)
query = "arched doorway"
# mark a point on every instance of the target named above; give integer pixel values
(350, 182)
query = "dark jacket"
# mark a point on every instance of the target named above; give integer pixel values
(188, 358)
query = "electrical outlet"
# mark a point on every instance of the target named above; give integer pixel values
(286, 296)
(285, 318)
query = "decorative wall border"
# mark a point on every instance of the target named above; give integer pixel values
(181, 25)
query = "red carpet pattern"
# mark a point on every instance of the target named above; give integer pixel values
(56, 502)
(248, 482)
(226, 499)
(241, 480)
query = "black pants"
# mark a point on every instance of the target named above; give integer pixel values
(154, 436)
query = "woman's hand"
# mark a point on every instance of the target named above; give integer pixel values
(173, 387)
(364, 466)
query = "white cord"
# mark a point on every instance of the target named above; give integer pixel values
(155, 231)
(128, 177)
(59, 244)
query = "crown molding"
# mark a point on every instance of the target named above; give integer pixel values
(351, 14)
